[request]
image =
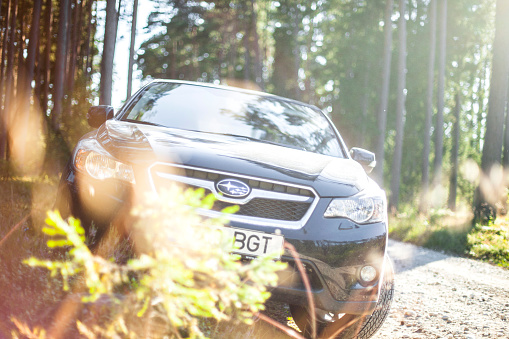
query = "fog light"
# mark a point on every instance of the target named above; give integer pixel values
(368, 274)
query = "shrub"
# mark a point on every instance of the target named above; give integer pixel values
(183, 272)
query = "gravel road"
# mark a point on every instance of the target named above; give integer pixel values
(439, 296)
(436, 296)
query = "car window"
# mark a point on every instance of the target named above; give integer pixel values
(223, 111)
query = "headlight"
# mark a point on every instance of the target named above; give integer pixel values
(101, 166)
(361, 210)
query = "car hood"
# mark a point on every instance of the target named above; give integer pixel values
(329, 176)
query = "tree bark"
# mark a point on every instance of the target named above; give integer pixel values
(60, 70)
(505, 157)
(20, 82)
(439, 130)
(26, 93)
(9, 77)
(453, 184)
(429, 106)
(87, 50)
(384, 94)
(110, 33)
(73, 54)
(3, 85)
(47, 54)
(484, 206)
(400, 109)
(258, 64)
(131, 50)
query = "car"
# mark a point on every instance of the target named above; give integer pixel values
(281, 161)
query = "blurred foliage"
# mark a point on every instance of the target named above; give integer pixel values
(184, 270)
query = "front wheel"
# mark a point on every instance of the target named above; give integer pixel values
(360, 327)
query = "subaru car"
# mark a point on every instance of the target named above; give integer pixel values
(281, 161)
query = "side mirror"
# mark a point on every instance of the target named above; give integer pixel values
(364, 157)
(97, 115)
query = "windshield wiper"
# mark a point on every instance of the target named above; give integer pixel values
(143, 122)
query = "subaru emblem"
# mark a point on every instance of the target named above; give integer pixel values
(233, 188)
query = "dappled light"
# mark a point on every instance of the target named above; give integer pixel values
(247, 135)
(27, 142)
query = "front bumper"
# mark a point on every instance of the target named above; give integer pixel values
(333, 251)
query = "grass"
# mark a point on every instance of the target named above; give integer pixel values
(33, 299)
(454, 232)
(27, 295)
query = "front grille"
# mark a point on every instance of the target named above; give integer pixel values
(260, 184)
(274, 201)
(269, 209)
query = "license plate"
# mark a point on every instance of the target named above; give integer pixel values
(252, 243)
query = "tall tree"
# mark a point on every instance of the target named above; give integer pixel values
(429, 104)
(46, 64)
(131, 50)
(453, 183)
(74, 43)
(87, 50)
(110, 32)
(384, 93)
(439, 129)
(3, 88)
(60, 62)
(400, 108)
(492, 148)
(258, 65)
(505, 158)
(25, 95)
(9, 77)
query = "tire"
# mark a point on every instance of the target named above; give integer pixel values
(359, 327)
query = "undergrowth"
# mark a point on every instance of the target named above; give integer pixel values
(454, 232)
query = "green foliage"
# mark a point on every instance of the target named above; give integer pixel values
(441, 230)
(184, 270)
(491, 242)
(453, 232)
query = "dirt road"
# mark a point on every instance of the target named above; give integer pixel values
(439, 296)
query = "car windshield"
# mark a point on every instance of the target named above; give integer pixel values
(239, 114)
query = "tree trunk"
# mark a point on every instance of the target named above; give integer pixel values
(9, 77)
(364, 106)
(247, 52)
(424, 203)
(400, 109)
(26, 93)
(3, 85)
(88, 48)
(59, 83)
(384, 94)
(484, 207)
(110, 33)
(131, 50)
(453, 184)
(20, 50)
(258, 63)
(439, 130)
(47, 54)
(505, 158)
(73, 54)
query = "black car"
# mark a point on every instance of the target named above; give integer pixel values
(283, 162)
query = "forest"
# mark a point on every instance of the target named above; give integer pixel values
(422, 83)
